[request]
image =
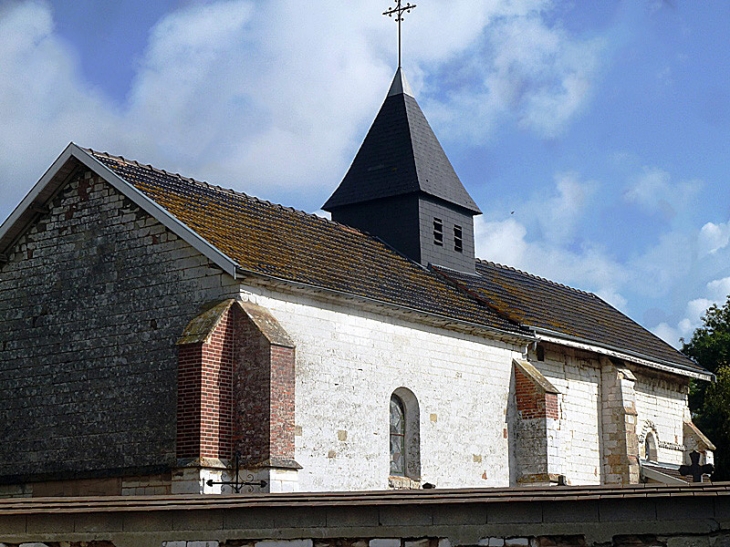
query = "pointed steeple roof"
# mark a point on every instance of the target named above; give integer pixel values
(400, 155)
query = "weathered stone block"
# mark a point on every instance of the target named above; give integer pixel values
(514, 513)
(688, 541)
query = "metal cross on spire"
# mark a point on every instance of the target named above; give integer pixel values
(398, 11)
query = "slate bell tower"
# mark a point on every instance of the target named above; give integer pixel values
(402, 188)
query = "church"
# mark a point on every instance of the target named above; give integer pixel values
(161, 335)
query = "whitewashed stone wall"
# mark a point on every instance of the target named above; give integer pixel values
(661, 404)
(349, 362)
(577, 376)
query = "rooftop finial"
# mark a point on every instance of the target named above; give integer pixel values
(398, 11)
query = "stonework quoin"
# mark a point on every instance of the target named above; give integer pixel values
(619, 420)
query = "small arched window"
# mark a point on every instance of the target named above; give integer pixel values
(405, 436)
(397, 437)
(650, 447)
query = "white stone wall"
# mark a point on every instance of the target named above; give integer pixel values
(662, 407)
(349, 363)
(577, 377)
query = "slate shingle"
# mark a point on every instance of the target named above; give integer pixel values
(400, 155)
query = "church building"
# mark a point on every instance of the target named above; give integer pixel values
(161, 335)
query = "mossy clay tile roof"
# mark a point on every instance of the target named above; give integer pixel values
(283, 243)
(537, 303)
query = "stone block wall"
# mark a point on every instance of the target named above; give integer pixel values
(638, 516)
(576, 375)
(661, 407)
(92, 301)
(568, 540)
(351, 360)
(618, 412)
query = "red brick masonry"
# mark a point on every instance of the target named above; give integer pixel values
(532, 400)
(236, 391)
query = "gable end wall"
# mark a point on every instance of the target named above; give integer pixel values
(92, 301)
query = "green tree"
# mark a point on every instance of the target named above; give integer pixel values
(710, 402)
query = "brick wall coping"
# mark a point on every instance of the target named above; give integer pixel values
(107, 504)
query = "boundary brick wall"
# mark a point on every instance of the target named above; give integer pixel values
(92, 301)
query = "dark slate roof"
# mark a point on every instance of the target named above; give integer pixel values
(546, 306)
(400, 155)
(283, 243)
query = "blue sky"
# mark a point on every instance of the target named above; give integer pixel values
(593, 135)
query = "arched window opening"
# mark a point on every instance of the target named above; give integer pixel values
(650, 447)
(397, 437)
(405, 435)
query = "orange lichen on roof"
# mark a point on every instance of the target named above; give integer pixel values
(272, 240)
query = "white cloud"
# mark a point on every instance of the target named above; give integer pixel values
(559, 215)
(502, 242)
(530, 71)
(259, 96)
(667, 333)
(545, 237)
(506, 242)
(235, 88)
(541, 74)
(713, 237)
(556, 216)
(716, 292)
(663, 264)
(240, 93)
(719, 290)
(654, 191)
(42, 104)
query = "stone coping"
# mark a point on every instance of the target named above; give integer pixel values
(101, 504)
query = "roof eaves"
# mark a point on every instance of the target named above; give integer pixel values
(516, 335)
(152, 208)
(620, 353)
